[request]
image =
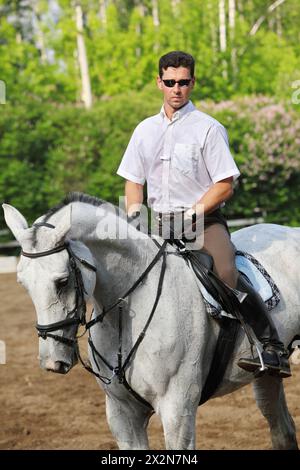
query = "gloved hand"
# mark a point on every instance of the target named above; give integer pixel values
(189, 229)
(193, 229)
(136, 219)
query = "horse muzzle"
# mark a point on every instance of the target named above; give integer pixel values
(59, 367)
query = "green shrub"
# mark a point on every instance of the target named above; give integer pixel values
(47, 150)
(264, 138)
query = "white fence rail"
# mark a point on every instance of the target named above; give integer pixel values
(245, 222)
(231, 224)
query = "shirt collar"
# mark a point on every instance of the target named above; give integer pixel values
(187, 108)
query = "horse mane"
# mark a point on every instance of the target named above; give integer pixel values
(74, 196)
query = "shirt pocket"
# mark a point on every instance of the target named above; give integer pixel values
(186, 158)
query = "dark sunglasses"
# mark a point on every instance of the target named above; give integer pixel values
(183, 82)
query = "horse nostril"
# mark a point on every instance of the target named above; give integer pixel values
(63, 367)
(59, 367)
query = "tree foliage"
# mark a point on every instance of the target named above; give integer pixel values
(39, 56)
(48, 150)
(49, 144)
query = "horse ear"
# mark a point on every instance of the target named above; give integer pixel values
(15, 221)
(64, 225)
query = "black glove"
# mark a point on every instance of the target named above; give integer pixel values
(134, 218)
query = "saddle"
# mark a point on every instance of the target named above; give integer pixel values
(222, 303)
(256, 275)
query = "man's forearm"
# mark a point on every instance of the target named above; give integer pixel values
(218, 193)
(134, 197)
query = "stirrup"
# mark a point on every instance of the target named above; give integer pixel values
(253, 365)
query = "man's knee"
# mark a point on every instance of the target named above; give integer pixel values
(227, 274)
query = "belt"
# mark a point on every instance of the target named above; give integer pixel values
(170, 215)
(215, 217)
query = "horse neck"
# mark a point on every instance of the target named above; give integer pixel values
(120, 261)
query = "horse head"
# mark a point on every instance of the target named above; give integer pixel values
(59, 275)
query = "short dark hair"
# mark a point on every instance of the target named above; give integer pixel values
(176, 59)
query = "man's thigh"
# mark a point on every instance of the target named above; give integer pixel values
(218, 244)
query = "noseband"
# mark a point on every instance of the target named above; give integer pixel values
(77, 315)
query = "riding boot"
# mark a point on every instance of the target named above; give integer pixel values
(255, 314)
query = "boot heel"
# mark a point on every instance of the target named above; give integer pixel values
(284, 373)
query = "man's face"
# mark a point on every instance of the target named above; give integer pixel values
(176, 96)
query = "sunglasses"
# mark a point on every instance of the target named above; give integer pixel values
(172, 83)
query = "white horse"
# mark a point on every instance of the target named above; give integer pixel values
(170, 365)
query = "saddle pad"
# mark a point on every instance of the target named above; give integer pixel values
(259, 278)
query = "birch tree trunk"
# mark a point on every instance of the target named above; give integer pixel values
(86, 92)
(156, 23)
(39, 32)
(222, 35)
(213, 30)
(262, 18)
(141, 9)
(233, 53)
(222, 26)
(231, 14)
(174, 6)
(155, 14)
(278, 23)
(102, 13)
(240, 8)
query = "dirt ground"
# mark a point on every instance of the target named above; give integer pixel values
(40, 410)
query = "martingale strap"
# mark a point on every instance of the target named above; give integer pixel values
(120, 369)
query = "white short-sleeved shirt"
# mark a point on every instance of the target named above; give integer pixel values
(180, 159)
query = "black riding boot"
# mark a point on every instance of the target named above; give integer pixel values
(255, 313)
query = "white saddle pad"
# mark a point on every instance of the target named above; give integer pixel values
(259, 278)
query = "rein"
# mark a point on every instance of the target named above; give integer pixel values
(119, 370)
(79, 312)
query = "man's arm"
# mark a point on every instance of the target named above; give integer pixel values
(218, 193)
(133, 196)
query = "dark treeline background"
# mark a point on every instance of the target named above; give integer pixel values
(77, 76)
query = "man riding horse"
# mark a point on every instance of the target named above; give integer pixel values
(183, 155)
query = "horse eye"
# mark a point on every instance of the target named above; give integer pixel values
(63, 282)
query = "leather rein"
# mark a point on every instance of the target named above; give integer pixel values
(77, 316)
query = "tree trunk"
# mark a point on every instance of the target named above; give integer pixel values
(141, 9)
(156, 23)
(222, 26)
(102, 12)
(278, 23)
(231, 15)
(240, 8)
(155, 14)
(233, 53)
(222, 35)
(174, 6)
(39, 32)
(213, 30)
(260, 20)
(86, 92)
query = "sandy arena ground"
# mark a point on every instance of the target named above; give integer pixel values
(40, 410)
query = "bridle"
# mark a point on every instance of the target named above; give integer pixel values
(76, 316)
(79, 311)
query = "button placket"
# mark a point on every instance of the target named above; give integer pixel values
(166, 158)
